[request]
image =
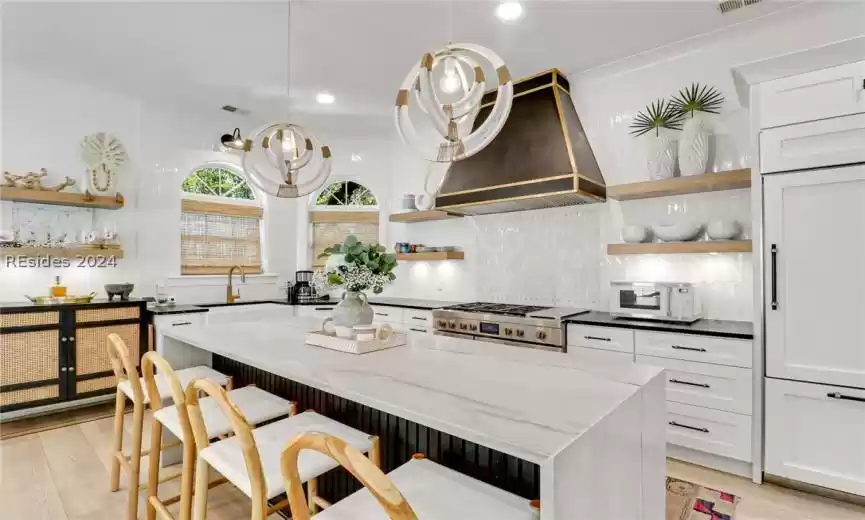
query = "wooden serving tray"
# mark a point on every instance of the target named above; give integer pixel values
(353, 346)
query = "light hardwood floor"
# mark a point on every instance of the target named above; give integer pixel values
(62, 474)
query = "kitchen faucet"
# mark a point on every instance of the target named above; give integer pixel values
(230, 296)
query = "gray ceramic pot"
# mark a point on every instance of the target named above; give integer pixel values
(352, 310)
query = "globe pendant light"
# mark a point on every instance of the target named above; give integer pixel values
(285, 160)
(448, 118)
(287, 152)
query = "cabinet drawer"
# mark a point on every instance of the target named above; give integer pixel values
(709, 386)
(816, 434)
(821, 94)
(412, 328)
(417, 318)
(818, 144)
(171, 321)
(387, 314)
(604, 338)
(713, 431)
(590, 355)
(688, 347)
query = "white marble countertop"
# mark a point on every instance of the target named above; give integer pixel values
(527, 403)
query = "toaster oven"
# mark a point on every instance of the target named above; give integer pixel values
(661, 301)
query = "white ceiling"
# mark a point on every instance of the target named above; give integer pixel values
(209, 54)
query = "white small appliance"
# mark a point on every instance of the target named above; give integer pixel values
(660, 301)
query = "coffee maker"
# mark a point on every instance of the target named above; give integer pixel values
(303, 291)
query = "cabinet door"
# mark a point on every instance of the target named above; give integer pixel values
(816, 434)
(90, 371)
(30, 360)
(821, 94)
(815, 282)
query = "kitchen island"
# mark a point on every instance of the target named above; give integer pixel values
(587, 440)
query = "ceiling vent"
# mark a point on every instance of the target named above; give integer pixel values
(229, 108)
(731, 5)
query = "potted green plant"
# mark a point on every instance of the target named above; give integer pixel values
(694, 103)
(364, 267)
(656, 125)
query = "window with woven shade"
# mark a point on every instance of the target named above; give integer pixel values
(220, 225)
(341, 209)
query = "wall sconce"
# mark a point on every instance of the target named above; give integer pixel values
(232, 140)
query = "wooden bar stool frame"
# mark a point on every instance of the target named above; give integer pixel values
(362, 468)
(124, 370)
(149, 363)
(252, 461)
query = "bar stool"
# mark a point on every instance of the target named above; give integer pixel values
(129, 385)
(256, 405)
(419, 488)
(250, 459)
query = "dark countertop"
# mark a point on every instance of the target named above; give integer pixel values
(410, 303)
(29, 306)
(175, 309)
(719, 328)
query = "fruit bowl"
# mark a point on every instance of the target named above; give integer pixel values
(678, 232)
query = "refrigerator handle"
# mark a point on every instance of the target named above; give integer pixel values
(774, 251)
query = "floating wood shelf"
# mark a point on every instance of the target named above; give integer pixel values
(441, 255)
(675, 248)
(61, 198)
(720, 181)
(64, 252)
(422, 216)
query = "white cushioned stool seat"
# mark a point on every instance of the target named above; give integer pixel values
(435, 492)
(184, 375)
(254, 403)
(225, 456)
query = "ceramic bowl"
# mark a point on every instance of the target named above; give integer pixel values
(424, 201)
(678, 232)
(723, 229)
(635, 234)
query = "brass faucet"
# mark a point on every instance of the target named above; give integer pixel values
(230, 296)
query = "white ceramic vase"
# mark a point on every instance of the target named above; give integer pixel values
(694, 145)
(660, 152)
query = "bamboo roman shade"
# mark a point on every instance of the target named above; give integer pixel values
(333, 227)
(216, 236)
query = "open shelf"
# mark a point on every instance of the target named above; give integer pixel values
(719, 181)
(60, 198)
(441, 255)
(422, 216)
(63, 252)
(676, 248)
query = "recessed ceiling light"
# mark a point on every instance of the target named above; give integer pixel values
(509, 11)
(325, 98)
(355, 157)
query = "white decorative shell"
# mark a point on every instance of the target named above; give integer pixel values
(103, 149)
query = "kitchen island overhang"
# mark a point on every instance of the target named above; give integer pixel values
(581, 438)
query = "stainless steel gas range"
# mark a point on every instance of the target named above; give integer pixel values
(516, 325)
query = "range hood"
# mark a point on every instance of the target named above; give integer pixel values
(541, 158)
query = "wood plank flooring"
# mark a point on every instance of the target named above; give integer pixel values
(62, 474)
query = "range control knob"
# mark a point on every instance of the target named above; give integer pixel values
(520, 333)
(541, 335)
(473, 327)
(509, 332)
(442, 324)
(452, 324)
(463, 326)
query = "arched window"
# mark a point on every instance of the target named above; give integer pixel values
(341, 209)
(346, 193)
(220, 222)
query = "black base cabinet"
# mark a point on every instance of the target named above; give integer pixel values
(59, 353)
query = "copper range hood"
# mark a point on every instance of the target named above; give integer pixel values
(541, 158)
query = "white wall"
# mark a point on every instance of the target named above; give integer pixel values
(557, 256)
(44, 120)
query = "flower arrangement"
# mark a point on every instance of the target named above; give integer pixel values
(366, 267)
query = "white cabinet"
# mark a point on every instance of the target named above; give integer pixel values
(821, 94)
(816, 434)
(391, 315)
(166, 322)
(314, 311)
(604, 338)
(818, 144)
(691, 347)
(815, 276)
(590, 355)
(712, 431)
(701, 384)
